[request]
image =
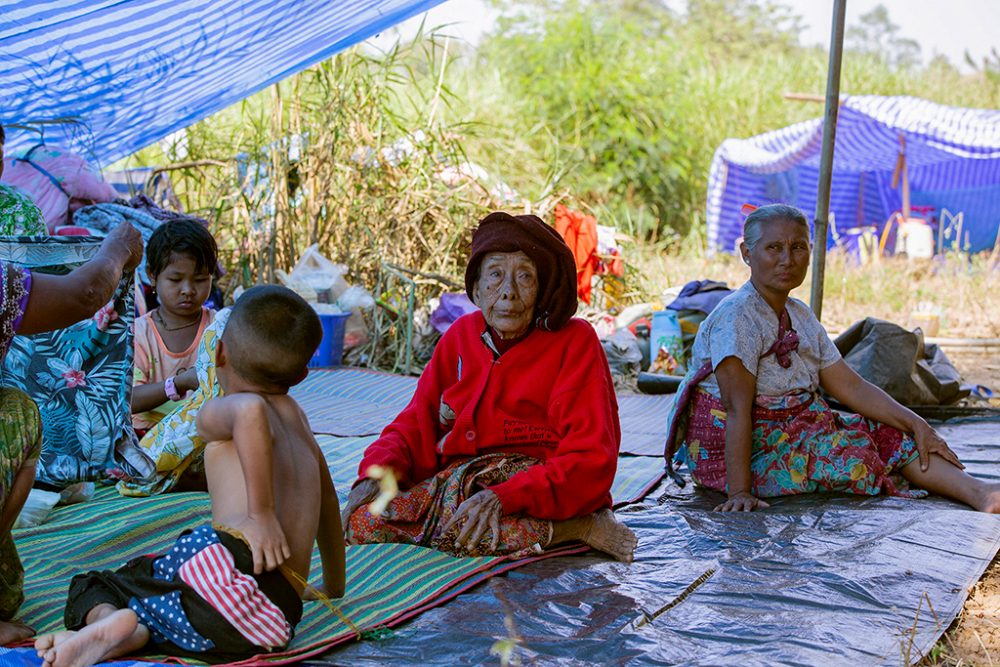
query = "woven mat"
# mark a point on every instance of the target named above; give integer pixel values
(352, 401)
(386, 583)
(644, 423)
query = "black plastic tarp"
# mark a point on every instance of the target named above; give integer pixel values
(814, 580)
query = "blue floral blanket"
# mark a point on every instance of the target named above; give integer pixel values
(80, 376)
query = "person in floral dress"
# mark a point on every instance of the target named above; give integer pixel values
(29, 304)
(749, 420)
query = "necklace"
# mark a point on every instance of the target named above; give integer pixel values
(159, 318)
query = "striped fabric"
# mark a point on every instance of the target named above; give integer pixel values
(953, 155)
(352, 401)
(644, 423)
(386, 583)
(636, 476)
(25, 657)
(213, 575)
(122, 74)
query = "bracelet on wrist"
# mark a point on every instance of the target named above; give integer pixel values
(170, 388)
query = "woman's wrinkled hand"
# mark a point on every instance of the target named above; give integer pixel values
(929, 442)
(744, 501)
(130, 241)
(363, 492)
(478, 514)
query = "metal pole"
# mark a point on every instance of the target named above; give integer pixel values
(821, 218)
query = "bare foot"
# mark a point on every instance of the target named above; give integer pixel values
(45, 642)
(608, 534)
(14, 631)
(989, 501)
(93, 643)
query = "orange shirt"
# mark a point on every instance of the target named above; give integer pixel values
(155, 363)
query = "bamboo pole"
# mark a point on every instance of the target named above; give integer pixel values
(822, 216)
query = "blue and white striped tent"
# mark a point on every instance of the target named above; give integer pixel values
(117, 75)
(953, 158)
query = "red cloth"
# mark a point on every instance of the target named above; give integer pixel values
(580, 232)
(550, 397)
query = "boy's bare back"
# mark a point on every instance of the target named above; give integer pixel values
(269, 439)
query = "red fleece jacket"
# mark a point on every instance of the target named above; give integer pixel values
(550, 396)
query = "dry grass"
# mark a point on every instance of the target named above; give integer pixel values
(962, 289)
(974, 638)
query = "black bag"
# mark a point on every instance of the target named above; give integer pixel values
(890, 357)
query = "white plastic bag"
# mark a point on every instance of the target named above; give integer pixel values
(355, 297)
(314, 272)
(36, 508)
(353, 300)
(319, 273)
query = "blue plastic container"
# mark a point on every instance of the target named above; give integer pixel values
(331, 349)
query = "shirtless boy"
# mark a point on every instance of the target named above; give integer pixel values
(232, 589)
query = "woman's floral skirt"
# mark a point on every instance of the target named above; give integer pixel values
(418, 515)
(800, 445)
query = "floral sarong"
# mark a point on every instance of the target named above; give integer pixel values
(418, 516)
(800, 445)
(80, 376)
(20, 445)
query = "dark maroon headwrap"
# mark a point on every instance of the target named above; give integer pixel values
(502, 232)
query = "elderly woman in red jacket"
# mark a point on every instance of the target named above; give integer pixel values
(510, 443)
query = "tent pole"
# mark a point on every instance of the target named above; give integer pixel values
(822, 216)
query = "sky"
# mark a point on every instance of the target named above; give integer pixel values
(948, 27)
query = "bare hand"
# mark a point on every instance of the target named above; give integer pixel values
(128, 240)
(267, 541)
(363, 492)
(929, 442)
(186, 381)
(479, 513)
(744, 501)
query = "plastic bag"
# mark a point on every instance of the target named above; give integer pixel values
(450, 308)
(80, 492)
(320, 274)
(297, 286)
(353, 300)
(622, 350)
(36, 508)
(325, 279)
(355, 297)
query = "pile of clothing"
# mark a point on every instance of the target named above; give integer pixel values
(59, 182)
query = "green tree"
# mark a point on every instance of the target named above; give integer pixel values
(876, 35)
(594, 79)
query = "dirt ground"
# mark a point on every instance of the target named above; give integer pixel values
(977, 367)
(974, 638)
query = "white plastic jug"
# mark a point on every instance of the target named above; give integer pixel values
(916, 238)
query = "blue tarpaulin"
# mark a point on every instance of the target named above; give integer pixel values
(118, 75)
(952, 157)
